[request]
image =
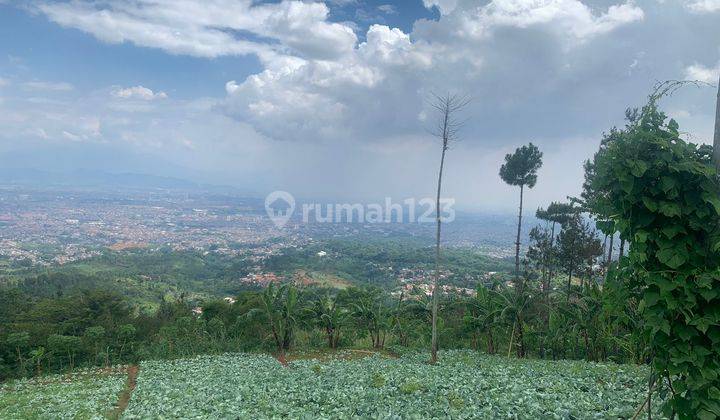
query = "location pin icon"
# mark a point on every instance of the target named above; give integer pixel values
(279, 206)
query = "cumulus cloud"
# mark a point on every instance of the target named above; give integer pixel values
(572, 19)
(138, 92)
(704, 74)
(208, 28)
(703, 6)
(557, 72)
(444, 6)
(377, 89)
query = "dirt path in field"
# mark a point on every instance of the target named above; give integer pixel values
(281, 358)
(127, 392)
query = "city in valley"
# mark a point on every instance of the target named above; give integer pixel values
(46, 230)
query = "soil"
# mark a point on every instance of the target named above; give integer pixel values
(127, 392)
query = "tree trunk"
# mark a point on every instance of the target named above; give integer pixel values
(330, 336)
(610, 249)
(278, 342)
(716, 139)
(512, 336)
(20, 360)
(550, 262)
(401, 335)
(521, 339)
(491, 342)
(569, 284)
(517, 238)
(622, 247)
(434, 345)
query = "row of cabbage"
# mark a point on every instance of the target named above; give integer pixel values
(463, 384)
(85, 394)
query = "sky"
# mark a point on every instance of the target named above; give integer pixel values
(331, 100)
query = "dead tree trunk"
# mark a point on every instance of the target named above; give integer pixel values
(446, 131)
(436, 279)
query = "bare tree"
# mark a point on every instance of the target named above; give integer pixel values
(448, 126)
(716, 139)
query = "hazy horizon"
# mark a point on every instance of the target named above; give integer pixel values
(329, 100)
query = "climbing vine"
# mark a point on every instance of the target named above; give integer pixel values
(664, 196)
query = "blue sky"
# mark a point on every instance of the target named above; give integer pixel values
(49, 51)
(330, 99)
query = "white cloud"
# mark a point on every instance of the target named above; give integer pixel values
(4, 82)
(138, 92)
(570, 18)
(703, 6)
(381, 83)
(444, 6)
(559, 71)
(393, 46)
(209, 28)
(702, 73)
(48, 86)
(388, 9)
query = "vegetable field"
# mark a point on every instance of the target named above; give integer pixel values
(90, 394)
(463, 384)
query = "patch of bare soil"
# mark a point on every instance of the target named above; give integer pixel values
(127, 392)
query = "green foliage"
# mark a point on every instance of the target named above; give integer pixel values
(557, 212)
(326, 313)
(371, 312)
(663, 194)
(578, 248)
(364, 261)
(520, 168)
(463, 384)
(378, 381)
(281, 311)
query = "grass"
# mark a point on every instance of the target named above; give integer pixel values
(321, 279)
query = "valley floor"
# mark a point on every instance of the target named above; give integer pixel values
(346, 384)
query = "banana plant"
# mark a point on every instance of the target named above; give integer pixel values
(281, 309)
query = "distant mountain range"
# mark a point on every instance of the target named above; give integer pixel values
(83, 178)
